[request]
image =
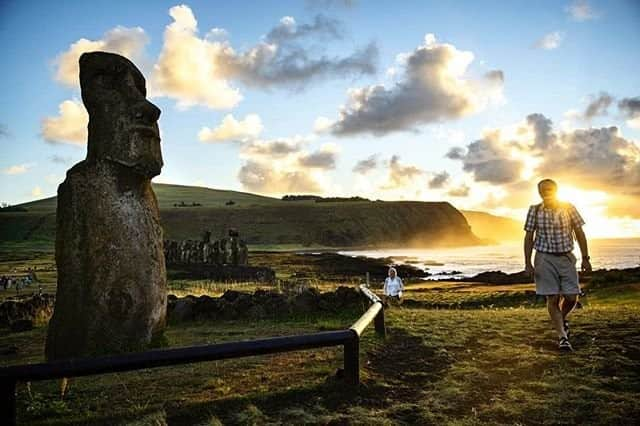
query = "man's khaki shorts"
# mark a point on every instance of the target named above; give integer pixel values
(555, 274)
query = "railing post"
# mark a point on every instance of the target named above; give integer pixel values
(8, 401)
(352, 360)
(378, 322)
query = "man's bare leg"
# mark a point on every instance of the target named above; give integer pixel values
(64, 385)
(568, 303)
(557, 320)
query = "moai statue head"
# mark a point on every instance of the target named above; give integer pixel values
(123, 124)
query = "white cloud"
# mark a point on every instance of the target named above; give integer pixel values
(196, 70)
(367, 165)
(18, 169)
(630, 109)
(580, 10)
(550, 41)
(324, 158)
(400, 174)
(129, 42)
(217, 34)
(322, 125)
(634, 122)
(433, 87)
(189, 68)
(231, 129)
(489, 159)
(284, 166)
(69, 127)
(591, 158)
(36, 191)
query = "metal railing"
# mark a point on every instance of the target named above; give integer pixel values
(349, 339)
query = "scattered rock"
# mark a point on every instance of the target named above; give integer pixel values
(37, 308)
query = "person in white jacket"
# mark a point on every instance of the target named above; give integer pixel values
(393, 287)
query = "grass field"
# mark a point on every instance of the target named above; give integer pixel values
(493, 362)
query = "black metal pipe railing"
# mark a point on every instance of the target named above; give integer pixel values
(349, 339)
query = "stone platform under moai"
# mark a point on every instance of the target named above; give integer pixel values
(111, 294)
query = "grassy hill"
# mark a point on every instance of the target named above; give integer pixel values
(494, 228)
(266, 221)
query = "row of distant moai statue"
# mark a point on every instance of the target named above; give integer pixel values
(230, 250)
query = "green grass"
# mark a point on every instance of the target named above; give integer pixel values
(437, 366)
(494, 361)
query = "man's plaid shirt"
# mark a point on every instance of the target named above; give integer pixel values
(553, 227)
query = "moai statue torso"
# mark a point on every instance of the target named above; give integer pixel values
(111, 295)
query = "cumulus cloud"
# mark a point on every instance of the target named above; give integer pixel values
(550, 41)
(433, 87)
(580, 10)
(129, 42)
(321, 125)
(595, 159)
(542, 129)
(365, 166)
(18, 169)
(630, 108)
(196, 70)
(460, 191)
(456, 153)
(598, 105)
(324, 158)
(400, 175)
(598, 157)
(261, 177)
(231, 129)
(282, 166)
(489, 160)
(287, 29)
(189, 68)
(70, 126)
(438, 180)
(273, 148)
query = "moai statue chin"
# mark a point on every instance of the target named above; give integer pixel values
(111, 294)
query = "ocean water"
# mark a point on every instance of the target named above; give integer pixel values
(508, 257)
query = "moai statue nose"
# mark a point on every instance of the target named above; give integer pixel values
(147, 112)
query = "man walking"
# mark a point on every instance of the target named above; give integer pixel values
(550, 227)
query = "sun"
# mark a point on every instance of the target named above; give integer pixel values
(592, 206)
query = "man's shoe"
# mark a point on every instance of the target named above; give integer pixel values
(566, 327)
(564, 345)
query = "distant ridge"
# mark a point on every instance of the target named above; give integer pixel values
(494, 228)
(268, 221)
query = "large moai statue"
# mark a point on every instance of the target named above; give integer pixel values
(111, 294)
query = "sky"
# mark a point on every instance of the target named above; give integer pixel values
(469, 102)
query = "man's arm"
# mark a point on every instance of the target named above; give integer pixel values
(528, 249)
(576, 223)
(584, 249)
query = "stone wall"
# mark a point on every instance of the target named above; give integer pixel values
(264, 304)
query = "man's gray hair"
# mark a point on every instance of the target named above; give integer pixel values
(394, 270)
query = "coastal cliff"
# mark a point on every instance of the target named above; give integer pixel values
(187, 211)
